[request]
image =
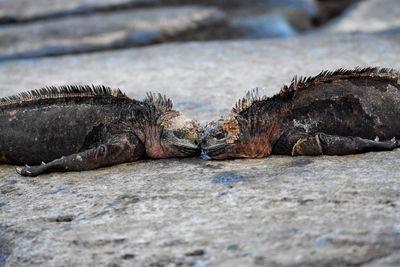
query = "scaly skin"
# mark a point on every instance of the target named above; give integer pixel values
(334, 113)
(76, 128)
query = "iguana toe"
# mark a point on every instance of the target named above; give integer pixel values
(30, 170)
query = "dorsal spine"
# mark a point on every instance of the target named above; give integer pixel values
(65, 91)
(324, 76)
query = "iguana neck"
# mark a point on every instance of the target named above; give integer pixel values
(263, 124)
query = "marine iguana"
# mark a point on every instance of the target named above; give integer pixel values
(75, 128)
(334, 113)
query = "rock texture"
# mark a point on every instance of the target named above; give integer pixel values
(325, 211)
(99, 31)
(264, 19)
(12, 11)
(279, 211)
(332, 8)
(19, 11)
(370, 16)
(48, 28)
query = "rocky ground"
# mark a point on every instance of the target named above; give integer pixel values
(279, 211)
(136, 27)
(47, 27)
(354, 20)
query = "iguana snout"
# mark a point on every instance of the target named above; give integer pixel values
(218, 138)
(179, 137)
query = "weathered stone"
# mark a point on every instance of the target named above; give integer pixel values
(105, 31)
(262, 19)
(26, 10)
(279, 211)
(370, 16)
(87, 29)
(332, 8)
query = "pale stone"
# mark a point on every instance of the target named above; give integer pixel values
(278, 211)
(97, 31)
(25, 10)
(370, 16)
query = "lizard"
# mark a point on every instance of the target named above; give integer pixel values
(340, 112)
(83, 127)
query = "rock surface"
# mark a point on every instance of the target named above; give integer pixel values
(99, 31)
(370, 16)
(53, 28)
(26, 10)
(265, 19)
(46, 27)
(18, 11)
(279, 211)
(332, 8)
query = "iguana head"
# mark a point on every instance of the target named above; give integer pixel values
(221, 138)
(178, 135)
(244, 133)
(171, 134)
(236, 136)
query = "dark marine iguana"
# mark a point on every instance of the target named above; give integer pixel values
(75, 128)
(334, 113)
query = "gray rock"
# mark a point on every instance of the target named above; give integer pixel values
(298, 13)
(332, 8)
(369, 16)
(26, 10)
(279, 211)
(87, 29)
(265, 19)
(99, 31)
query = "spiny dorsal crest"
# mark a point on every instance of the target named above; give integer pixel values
(324, 76)
(251, 97)
(159, 101)
(65, 91)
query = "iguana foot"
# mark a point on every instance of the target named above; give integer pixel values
(32, 170)
(308, 146)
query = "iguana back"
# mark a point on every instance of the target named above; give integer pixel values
(52, 122)
(363, 103)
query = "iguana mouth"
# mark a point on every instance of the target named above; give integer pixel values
(188, 149)
(214, 149)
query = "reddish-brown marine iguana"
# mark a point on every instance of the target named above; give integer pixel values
(333, 113)
(74, 128)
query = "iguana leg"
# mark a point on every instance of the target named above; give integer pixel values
(122, 149)
(323, 144)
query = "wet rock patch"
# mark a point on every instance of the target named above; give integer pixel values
(228, 178)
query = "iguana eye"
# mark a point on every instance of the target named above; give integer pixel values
(179, 134)
(220, 135)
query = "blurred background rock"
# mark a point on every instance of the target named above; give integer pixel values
(279, 211)
(53, 27)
